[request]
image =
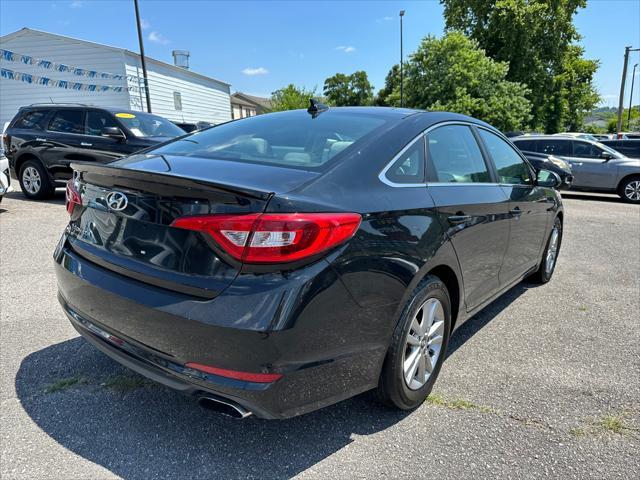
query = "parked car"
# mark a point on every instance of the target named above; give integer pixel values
(288, 261)
(5, 178)
(586, 136)
(602, 136)
(42, 140)
(595, 166)
(629, 148)
(193, 127)
(553, 164)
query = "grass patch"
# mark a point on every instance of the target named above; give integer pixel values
(457, 404)
(124, 383)
(577, 432)
(613, 423)
(64, 384)
(583, 309)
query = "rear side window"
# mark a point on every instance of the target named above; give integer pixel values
(31, 119)
(409, 168)
(454, 156)
(510, 166)
(555, 147)
(293, 139)
(97, 121)
(67, 121)
(526, 145)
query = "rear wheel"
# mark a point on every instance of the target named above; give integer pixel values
(550, 255)
(34, 180)
(418, 347)
(629, 189)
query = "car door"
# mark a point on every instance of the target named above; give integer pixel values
(63, 138)
(101, 148)
(595, 171)
(471, 205)
(529, 207)
(563, 147)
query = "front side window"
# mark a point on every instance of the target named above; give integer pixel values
(510, 166)
(31, 119)
(68, 121)
(97, 121)
(586, 150)
(555, 147)
(293, 139)
(409, 168)
(454, 156)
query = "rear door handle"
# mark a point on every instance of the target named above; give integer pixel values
(456, 219)
(516, 211)
(85, 144)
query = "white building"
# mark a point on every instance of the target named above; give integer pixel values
(176, 93)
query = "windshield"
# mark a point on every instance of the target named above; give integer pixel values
(293, 139)
(147, 125)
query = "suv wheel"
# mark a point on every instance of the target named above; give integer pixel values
(418, 347)
(629, 189)
(34, 180)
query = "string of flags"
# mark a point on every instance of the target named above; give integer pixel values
(61, 67)
(69, 85)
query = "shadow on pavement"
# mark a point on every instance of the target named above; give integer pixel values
(56, 199)
(586, 196)
(148, 431)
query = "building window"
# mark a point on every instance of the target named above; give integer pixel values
(177, 100)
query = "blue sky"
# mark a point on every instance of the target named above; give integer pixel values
(261, 46)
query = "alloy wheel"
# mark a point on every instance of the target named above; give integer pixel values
(423, 344)
(31, 180)
(632, 190)
(552, 251)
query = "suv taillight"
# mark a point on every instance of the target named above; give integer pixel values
(274, 237)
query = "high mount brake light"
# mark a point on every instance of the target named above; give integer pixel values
(274, 237)
(72, 197)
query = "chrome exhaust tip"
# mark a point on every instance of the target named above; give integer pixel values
(224, 407)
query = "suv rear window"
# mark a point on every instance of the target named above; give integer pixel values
(290, 139)
(67, 121)
(31, 119)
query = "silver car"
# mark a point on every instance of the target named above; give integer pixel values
(595, 166)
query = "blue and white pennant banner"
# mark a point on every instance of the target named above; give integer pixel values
(50, 82)
(61, 67)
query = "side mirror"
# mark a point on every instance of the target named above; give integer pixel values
(606, 156)
(115, 133)
(547, 178)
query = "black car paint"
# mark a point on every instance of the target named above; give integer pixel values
(541, 161)
(57, 150)
(325, 325)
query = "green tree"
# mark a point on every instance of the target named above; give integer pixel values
(349, 90)
(454, 74)
(536, 38)
(291, 98)
(386, 96)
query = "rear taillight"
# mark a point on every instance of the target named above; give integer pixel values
(274, 237)
(72, 197)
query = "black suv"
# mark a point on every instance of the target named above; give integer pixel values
(42, 140)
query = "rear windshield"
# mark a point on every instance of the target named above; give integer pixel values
(291, 139)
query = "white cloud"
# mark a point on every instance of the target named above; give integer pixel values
(387, 18)
(346, 49)
(76, 4)
(144, 24)
(255, 71)
(157, 37)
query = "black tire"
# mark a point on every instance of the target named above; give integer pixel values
(629, 189)
(33, 189)
(544, 274)
(393, 389)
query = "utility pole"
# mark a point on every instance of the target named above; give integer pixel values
(401, 63)
(144, 63)
(633, 79)
(624, 78)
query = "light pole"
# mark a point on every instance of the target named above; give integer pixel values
(144, 63)
(401, 63)
(633, 78)
(624, 77)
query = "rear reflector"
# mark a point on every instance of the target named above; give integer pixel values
(274, 237)
(246, 376)
(72, 197)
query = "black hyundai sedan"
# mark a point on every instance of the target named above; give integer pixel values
(281, 263)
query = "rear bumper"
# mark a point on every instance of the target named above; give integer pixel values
(156, 332)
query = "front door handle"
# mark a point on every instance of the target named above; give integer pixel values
(85, 144)
(41, 139)
(576, 164)
(516, 211)
(456, 219)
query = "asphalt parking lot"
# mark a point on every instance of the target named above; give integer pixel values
(544, 382)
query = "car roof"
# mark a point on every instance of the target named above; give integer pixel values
(552, 137)
(61, 106)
